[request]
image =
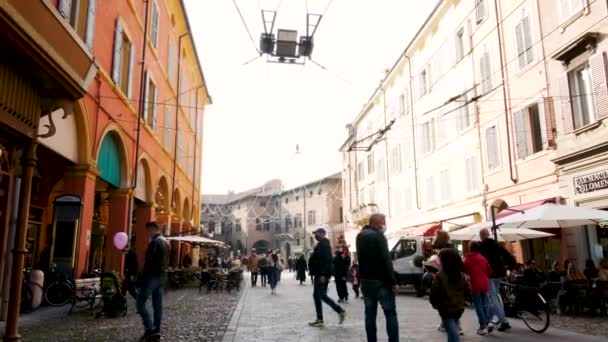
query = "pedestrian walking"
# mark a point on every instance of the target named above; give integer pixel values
(355, 278)
(448, 291)
(254, 268)
(378, 282)
(131, 269)
(499, 259)
(341, 266)
(301, 267)
(479, 272)
(153, 280)
(263, 265)
(320, 265)
(275, 266)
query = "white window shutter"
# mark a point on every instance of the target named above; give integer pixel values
(117, 52)
(154, 29)
(130, 71)
(519, 41)
(527, 39)
(566, 104)
(154, 109)
(480, 10)
(521, 138)
(549, 121)
(167, 133)
(542, 120)
(492, 154)
(144, 115)
(597, 64)
(90, 28)
(65, 8)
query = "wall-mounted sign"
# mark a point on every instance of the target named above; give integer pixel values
(590, 183)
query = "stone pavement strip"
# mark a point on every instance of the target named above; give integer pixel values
(263, 317)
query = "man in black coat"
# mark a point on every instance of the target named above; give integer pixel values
(320, 266)
(378, 282)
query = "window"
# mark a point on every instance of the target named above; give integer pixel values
(430, 191)
(530, 129)
(288, 222)
(171, 60)
(298, 221)
(341, 213)
(523, 41)
(311, 219)
(404, 249)
(570, 8)
(444, 185)
(464, 117)
(81, 16)
(150, 106)
(404, 108)
(286, 200)
(122, 65)
(460, 44)
(485, 72)
(472, 175)
(167, 129)
(277, 226)
(396, 159)
(258, 224)
(267, 224)
(370, 163)
(492, 150)
(423, 82)
(360, 171)
(238, 225)
(480, 10)
(372, 193)
(380, 177)
(581, 95)
(154, 25)
(262, 204)
(428, 136)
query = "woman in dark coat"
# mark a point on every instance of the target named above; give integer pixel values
(301, 269)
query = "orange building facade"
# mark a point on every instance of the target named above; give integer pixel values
(121, 141)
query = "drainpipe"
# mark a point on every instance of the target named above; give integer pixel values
(142, 85)
(416, 186)
(177, 104)
(504, 92)
(195, 141)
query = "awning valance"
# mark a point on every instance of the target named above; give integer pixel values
(428, 229)
(522, 207)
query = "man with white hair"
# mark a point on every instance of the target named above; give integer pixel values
(499, 259)
(378, 282)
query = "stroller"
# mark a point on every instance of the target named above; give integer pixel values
(114, 303)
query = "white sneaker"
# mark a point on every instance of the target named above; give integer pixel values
(482, 332)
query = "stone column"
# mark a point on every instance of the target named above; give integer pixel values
(117, 222)
(80, 181)
(143, 214)
(28, 165)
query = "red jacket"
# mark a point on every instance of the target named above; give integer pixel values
(479, 271)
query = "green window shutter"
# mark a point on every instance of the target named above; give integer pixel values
(108, 161)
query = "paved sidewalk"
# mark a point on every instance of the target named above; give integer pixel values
(263, 317)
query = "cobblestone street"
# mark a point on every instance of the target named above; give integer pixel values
(187, 316)
(262, 317)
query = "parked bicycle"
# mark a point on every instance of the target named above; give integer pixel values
(59, 290)
(27, 292)
(527, 303)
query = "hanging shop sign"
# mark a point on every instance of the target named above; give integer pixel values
(590, 183)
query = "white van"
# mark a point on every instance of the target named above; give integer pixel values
(408, 254)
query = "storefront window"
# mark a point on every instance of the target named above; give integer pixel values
(602, 239)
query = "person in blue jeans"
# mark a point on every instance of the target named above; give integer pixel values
(378, 283)
(152, 281)
(448, 291)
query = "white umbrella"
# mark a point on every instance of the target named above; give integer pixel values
(504, 234)
(551, 215)
(196, 239)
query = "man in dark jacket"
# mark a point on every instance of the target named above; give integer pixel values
(341, 267)
(378, 282)
(499, 259)
(320, 266)
(153, 279)
(131, 269)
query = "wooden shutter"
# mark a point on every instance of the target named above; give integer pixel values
(492, 148)
(167, 134)
(130, 71)
(65, 9)
(117, 52)
(519, 40)
(480, 10)
(144, 114)
(527, 35)
(597, 64)
(154, 108)
(488, 72)
(549, 121)
(542, 122)
(566, 104)
(521, 137)
(90, 28)
(154, 29)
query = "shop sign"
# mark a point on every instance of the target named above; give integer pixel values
(590, 183)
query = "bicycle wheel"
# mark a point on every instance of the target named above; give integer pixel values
(91, 299)
(536, 314)
(58, 294)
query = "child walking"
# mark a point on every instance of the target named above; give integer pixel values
(479, 271)
(448, 291)
(355, 278)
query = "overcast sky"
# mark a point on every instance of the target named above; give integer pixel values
(261, 110)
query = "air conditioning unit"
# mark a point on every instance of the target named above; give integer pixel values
(287, 42)
(306, 45)
(267, 43)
